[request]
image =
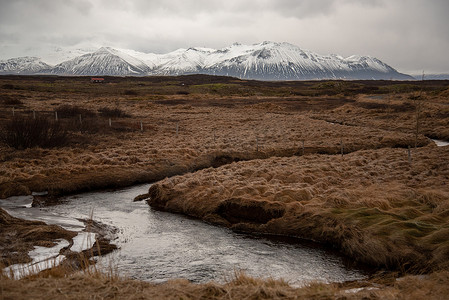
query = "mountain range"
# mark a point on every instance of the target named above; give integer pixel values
(431, 76)
(263, 61)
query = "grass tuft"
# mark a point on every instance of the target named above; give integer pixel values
(23, 133)
(70, 111)
(113, 112)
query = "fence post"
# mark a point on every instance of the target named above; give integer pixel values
(56, 115)
(409, 155)
(141, 126)
(81, 121)
(110, 122)
(34, 114)
(341, 146)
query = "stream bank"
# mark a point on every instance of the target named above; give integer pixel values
(157, 246)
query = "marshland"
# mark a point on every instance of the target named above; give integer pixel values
(349, 165)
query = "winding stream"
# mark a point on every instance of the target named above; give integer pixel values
(157, 246)
(440, 143)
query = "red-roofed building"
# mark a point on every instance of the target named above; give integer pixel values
(97, 79)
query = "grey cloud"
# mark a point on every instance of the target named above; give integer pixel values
(296, 8)
(172, 7)
(42, 7)
(408, 34)
(304, 8)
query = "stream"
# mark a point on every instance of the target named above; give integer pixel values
(157, 246)
(440, 143)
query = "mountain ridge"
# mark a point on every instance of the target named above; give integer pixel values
(262, 61)
(25, 65)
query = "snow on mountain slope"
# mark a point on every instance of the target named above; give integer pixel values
(104, 61)
(56, 55)
(183, 61)
(127, 58)
(283, 61)
(267, 60)
(50, 54)
(264, 61)
(274, 61)
(152, 60)
(23, 65)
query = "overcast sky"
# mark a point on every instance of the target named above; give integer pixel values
(409, 35)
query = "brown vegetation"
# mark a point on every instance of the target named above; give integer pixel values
(95, 285)
(395, 113)
(374, 205)
(279, 145)
(212, 130)
(21, 133)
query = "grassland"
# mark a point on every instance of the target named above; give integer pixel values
(212, 129)
(324, 160)
(372, 205)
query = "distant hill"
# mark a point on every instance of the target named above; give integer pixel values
(432, 77)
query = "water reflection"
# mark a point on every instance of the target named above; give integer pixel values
(156, 246)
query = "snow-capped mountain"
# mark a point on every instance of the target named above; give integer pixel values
(56, 55)
(264, 61)
(184, 61)
(23, 65)
(283, 61)
(104, 61)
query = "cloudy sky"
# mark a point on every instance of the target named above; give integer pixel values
(410, 35)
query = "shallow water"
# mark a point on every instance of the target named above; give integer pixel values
(42, 258)
(157, 246)
(441, 143)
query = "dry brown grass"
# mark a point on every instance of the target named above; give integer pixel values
(212, 132)
(395, 112)
(372, 205)
(96, 285)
